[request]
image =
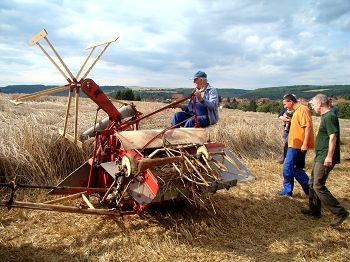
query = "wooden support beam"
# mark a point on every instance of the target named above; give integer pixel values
(102, 42)
(61, 199)
(71, 138)
(59, 208)
(37, 37)
(18, 99)
(67, 113)
(87, 201)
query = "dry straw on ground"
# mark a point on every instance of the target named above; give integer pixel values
(251, 223)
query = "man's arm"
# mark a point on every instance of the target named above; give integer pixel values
(212, 102)
(308, 130)
(331, 147)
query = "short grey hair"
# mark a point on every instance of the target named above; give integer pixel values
(325, 100)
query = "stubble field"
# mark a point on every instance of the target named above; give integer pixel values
(250, 222)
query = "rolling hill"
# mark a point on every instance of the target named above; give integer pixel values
(306, 91)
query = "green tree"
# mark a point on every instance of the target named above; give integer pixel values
(244, 106)
(269, 106)
(137, 97)
(343, 110)
(252, 105)
(232, 105)
(125, 94)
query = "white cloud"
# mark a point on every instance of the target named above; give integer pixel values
(239, 44)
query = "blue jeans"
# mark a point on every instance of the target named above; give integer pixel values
(178, 117)
(293, 167)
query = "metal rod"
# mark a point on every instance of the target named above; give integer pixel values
(76, 114)
(171, 105)
(93, 160)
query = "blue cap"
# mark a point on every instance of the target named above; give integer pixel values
(200, 74)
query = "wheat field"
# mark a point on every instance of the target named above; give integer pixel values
(249, 222)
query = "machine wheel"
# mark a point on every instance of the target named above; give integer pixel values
(202, 150)
(130, 164)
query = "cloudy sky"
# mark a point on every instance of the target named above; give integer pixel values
(240, 44)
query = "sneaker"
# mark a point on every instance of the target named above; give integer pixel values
(339, 219)
(309, 212)
(282, 193)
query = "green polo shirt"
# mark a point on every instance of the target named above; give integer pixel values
(329, 125)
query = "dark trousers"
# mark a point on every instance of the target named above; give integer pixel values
(285, 145)
(319, 193)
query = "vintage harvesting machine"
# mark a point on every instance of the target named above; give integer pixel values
(130, 169)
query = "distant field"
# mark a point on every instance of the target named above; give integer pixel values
(250, 222)
(316, 90)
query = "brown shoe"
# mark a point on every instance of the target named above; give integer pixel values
(339, 219)
(308, 212)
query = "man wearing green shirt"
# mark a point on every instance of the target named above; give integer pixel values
(327, 151)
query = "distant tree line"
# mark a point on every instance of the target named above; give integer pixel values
(305, 91)
(274, 106)
(252, 105)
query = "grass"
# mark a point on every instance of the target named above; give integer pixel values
(251, 223)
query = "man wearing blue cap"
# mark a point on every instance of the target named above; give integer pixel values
(207, 104)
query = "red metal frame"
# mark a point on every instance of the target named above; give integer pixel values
(106, 138)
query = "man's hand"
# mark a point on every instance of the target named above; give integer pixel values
(303, 148)
(286, 118)
(328, 161)
(198, 94)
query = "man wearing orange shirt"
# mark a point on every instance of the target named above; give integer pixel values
(300, 139)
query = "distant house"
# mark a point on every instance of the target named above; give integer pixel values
(339, 100)
(225, 100)
(263, 99)
(240, 100)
